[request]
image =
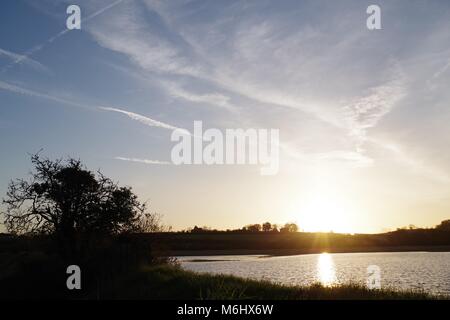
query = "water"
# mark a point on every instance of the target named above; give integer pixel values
(429, 271)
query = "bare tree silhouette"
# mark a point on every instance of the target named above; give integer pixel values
(66, 200)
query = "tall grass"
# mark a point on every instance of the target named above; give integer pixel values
(171, 282)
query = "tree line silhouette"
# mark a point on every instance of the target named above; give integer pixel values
(291, 227)
(250, 228)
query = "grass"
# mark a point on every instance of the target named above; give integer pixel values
(173, 283)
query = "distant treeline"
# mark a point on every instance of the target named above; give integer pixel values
(243, 241)
(290, 227)
(264, 227)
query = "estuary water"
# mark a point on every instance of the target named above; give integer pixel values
(428, 271)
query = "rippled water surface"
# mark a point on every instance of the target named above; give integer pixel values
(429, 271)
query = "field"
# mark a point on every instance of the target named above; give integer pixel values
(217, 243)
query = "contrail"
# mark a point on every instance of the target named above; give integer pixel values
(145, 120)
(142, 119)
(14, 56)
(146, 161)
(23, 91)
(41, 46)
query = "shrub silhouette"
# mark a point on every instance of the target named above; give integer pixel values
(444, 225)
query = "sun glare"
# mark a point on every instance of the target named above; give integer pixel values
(326, 272)
(327, 209)
(325, 214)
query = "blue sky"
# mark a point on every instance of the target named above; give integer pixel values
(363, 115)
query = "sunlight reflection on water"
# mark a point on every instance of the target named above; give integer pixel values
(326, 271)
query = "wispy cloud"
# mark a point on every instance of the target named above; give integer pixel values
(442, 70)
(417, 166)
(256, 59)
(143, 119)
(176, 90)
(124, 32)
(366, 112)
(27, 92)
(248, 58)
(215, 99)
(145, 161)
(346, 158)
(356, 159)
(17, 58)
(26, 57)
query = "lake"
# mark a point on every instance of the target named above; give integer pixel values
(429, 271)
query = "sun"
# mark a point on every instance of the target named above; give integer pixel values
(327, 205)
(324, 212)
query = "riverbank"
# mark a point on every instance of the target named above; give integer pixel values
(290, 252)
(173, 283)
(36, 275)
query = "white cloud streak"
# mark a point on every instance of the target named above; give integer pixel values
(417, 166)
(143, 119)
(17, 58)
(29, 53)
(442, 70)
(27, 92)
(365, 112)
(140, 118)
(145, 161)
(215, 98)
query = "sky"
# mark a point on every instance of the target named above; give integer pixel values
(362, 114)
